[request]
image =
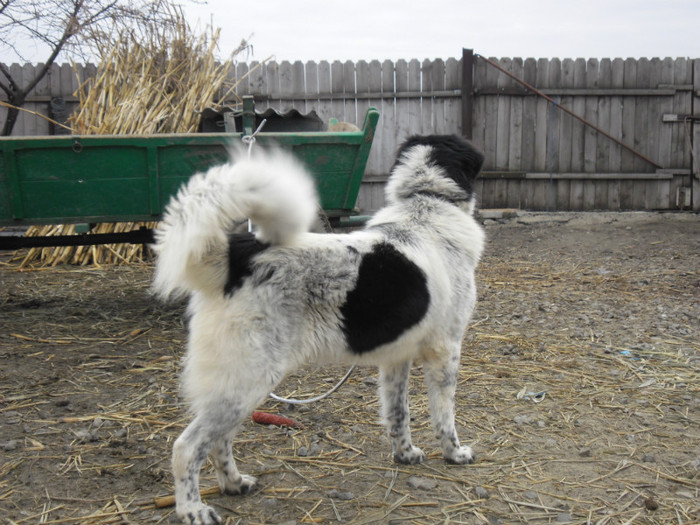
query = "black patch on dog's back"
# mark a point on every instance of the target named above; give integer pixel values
(242, 247)
(390, 296)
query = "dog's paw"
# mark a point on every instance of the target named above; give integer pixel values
(461, 456)
(243, 485)
(409, 456)
(199, 515)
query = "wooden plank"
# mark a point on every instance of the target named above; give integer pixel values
(388, 119)
(479, 122)
(603, 144)
(516, 128)
(627, 187)
(376, 164)
(682, 73)
(503, 119)
(311, 103)
(534, 175)
(337, 88)
(591, 115)
(242, 81)
(695, 178)
(256, 78)
(542, 110)
(553, 118)
(362, 79)
(617, 79)
(467, 83)
(566, 121)
(453, 106)
(285, 86)
(43, 89)
(654, 115)
(641, 129)
(350, 88)
(298, 86)
(529, 118)
(555, 197)
(402, 128)
(514, 190)
(585, 92)
(578, 131)
(539, 195)
(437, 80)
(428, 121)
(323, 76)
(628, 125)
(272, 74)
(415, 119)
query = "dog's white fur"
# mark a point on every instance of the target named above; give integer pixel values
(290, 307)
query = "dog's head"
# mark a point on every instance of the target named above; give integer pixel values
(442, 166)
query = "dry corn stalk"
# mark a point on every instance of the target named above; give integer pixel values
(157, 83)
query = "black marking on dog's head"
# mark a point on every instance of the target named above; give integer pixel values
(242, 247)
(390, 296)
(458, 157)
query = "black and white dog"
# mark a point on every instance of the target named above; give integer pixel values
(263, 304)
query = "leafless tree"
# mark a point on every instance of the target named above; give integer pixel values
(69, 28)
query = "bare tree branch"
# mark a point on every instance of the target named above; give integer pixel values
(70, 28)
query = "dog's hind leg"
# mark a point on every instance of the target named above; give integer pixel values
(211, 431)
(189, 452)
(393, 392)
(230, 480)
(440, 370)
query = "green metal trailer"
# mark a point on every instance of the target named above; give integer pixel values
(93, 179)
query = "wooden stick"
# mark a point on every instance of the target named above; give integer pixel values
(168, 501)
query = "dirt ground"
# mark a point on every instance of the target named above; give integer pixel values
(579, 390)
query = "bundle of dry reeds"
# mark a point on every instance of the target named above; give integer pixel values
(158, 82)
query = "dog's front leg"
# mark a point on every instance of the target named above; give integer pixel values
(441, 378)
(393, 392)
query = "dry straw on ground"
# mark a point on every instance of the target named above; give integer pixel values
(602, 319)
(157, 83)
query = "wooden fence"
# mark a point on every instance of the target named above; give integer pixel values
(537, 156)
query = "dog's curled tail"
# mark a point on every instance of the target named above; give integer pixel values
(272, 189)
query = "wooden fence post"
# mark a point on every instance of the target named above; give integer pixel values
(467, 92)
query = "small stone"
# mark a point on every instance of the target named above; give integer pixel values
(421, 483)
(650, 503)
(530, 495)
(522, 420)
(564, 517)
(302, 452)
(9, 446)
(341, 495)
(585, 452)
(481, 493)
(648, 458)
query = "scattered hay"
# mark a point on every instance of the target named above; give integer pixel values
(92, 401)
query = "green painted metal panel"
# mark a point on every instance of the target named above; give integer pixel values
(130, 178)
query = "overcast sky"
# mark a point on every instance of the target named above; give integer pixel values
(392, 29)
